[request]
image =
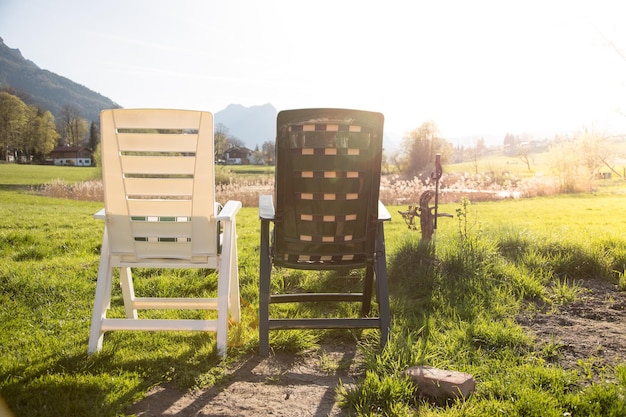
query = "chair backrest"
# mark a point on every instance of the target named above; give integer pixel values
(328, 164)
(159, 185)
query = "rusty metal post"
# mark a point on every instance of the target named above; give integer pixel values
(436, 176)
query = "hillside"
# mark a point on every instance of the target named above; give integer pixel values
(47, 89)
(253, 125)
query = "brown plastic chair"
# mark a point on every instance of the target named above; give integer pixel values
(327, 215)
(160, 212)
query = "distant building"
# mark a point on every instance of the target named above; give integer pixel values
(238, 156)
(80, 156)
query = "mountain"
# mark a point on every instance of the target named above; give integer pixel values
(46, 89)
(253, 125)
(256, 125)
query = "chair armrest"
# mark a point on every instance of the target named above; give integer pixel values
(100, 215)
(266, 207)
(229, 211)
(383, 213)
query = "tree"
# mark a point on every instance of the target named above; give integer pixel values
(269, 150)
(224, 141)
(510, 144)
(26, 132)
(578, 161)
(234, 142)
(395, 161)
(72, 126)
(597, 152)
(523, 153)
(477, 152)
(422, 144)
(566, 163)
(94, 136)
(39, 135)
(220, 138)
(13, 118)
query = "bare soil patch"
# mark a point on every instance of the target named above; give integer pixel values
(592, 328)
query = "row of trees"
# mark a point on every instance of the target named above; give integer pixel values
(29, 134)
(26, 132)
(576, 160)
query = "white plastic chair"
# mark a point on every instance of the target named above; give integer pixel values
(160, 212)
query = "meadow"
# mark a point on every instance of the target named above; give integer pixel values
(454, 306)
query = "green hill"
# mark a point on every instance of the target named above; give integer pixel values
(46, 89)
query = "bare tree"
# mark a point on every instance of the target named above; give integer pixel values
(269, 150)
(72, 127)
(421, 145)
(523, 153)
(235, 142)
(566, 164)
(477, 152)
(597, 152)
(221, 140)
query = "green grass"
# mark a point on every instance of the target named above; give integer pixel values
(252, 169)
(12, 175)
(539, 163)
(455, 310)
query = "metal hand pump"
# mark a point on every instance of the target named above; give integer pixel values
(436, 175)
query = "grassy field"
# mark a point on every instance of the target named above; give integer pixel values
(30, 175)
(12, 175)
(251, 170)
(455, 310)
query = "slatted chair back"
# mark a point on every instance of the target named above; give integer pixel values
(327, 184)
(159, 189)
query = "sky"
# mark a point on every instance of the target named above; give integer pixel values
(480, 67)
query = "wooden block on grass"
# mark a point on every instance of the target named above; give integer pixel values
(441, 384)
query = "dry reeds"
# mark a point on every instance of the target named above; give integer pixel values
(86, 191)
(393, 189)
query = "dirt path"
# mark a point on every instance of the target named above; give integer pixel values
(280, 385)
(592, 329)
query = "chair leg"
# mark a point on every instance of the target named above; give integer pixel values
(128, 292)
(102, 297)
(265, 270)
(235, 303)
(227, 287)
(380, 264)
(223, 288)
(368, 285)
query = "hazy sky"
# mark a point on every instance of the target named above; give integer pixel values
(474, 67)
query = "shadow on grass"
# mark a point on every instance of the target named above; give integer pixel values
(102, 384)
(17, 187)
